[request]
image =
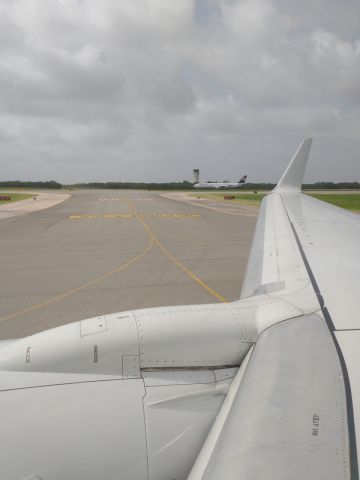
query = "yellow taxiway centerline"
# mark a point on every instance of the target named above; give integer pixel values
(81, 287)
(177, 262)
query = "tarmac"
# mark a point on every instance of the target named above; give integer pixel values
(39, 201)
(106, 251)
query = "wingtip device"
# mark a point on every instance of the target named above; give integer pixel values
(292, 178)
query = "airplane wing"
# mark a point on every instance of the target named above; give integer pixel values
(293, 410)
(156, 393)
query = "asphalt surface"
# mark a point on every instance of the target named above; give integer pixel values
(107, 251)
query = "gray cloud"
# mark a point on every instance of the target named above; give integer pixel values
(148, 90)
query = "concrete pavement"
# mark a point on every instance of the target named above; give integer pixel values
(38, 202)
(105, 251)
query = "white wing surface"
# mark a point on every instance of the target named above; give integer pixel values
(294, 411)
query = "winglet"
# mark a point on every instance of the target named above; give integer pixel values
(292, 178)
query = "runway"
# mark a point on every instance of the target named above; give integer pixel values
(104, 251)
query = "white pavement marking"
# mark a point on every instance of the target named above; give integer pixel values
(110, 199)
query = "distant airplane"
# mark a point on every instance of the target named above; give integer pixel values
(222, 185)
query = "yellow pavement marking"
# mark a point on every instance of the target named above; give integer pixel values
(190, 273)
(106, 215)
(173, 258)
(170, 215)
(82, 287)
(112, 215)
(153, 240)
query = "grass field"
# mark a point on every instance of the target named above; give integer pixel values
(349, 201)
(343, 200)
(14, 197)
(243, 198)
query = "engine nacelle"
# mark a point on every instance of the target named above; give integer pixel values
(122, 344)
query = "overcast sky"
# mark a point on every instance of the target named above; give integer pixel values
(147, 90)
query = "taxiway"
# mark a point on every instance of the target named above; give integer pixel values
(105, 251)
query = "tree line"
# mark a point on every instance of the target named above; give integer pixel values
(184, 185)
(21, 184)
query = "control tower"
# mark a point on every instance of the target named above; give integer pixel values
(196, 175)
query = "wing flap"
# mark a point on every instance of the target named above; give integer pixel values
(288, 417)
